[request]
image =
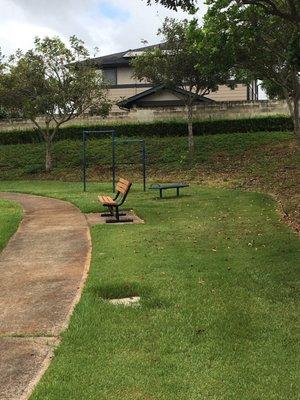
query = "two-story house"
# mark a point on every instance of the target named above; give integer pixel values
(127, 92)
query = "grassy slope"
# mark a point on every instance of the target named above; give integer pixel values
(260, 161)
(218, 275)
(10, 216)
(165, 154)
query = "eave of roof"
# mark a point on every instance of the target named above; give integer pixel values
(130, 101)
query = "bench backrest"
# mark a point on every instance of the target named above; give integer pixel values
(123, 187)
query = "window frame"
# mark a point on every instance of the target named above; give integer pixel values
(115, 70)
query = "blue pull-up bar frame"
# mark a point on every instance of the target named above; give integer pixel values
(115, 141)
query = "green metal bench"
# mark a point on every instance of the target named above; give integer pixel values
(166, 186)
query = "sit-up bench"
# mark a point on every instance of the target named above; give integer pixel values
(113, 204)
(165, 186)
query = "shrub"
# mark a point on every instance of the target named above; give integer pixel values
(34, 168)
(3, 113)
(158, 128)
(102, 111)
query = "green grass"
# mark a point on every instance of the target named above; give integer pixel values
(218, 274)
(165, 154)
(10, 216)
(263, 161)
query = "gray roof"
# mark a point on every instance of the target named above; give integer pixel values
(118, 59)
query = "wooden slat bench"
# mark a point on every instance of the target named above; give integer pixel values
(113, 204)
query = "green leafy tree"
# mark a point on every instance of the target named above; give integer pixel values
(260, 47)
(50, 85)
(187, 5)
(188, 60)
(288, 10)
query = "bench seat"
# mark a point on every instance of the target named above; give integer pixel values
(107, 200)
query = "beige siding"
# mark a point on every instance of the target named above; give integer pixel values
(161, 96)
(120, 94)
(224, 93)
(239, 93)
(124, 76)
(116, 95)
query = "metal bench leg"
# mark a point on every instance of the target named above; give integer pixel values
(177, 192)
(117, 218)
(110, 214)
(117, 214)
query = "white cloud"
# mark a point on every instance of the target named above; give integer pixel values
(22, 20)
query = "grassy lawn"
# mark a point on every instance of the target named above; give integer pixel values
(218, 274)
(10, 217)
(263, 161)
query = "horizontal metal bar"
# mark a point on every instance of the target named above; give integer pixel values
(129, 141)
(87, 132)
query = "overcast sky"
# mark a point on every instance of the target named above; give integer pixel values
(111, 25)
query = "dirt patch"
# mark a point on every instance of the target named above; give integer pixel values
(97, 219)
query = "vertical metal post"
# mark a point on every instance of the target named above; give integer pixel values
(113, 136)
(144, 163)
(84, 161)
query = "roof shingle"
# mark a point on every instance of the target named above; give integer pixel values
(118, 59)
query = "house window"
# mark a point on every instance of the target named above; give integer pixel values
(110, 75)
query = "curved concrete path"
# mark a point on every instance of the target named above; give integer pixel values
(42, 270)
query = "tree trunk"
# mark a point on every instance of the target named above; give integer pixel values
(49, 161)
(190, 129)
(296, 118)
(293, 105)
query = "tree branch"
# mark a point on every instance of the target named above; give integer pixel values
(272, 8)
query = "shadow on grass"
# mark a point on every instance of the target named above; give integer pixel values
(122, 290)
(116, 290)
(172, 197)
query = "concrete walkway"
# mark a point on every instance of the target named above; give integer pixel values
(42, 269)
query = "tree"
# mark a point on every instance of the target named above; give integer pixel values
(264, 36)
(187, 5)
(288, 10)
(187, 60)
(50, 85)
(261, 48)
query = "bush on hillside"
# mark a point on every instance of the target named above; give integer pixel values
(3, 113)
(158, 128)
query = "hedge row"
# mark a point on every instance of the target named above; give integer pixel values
(160, 128)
